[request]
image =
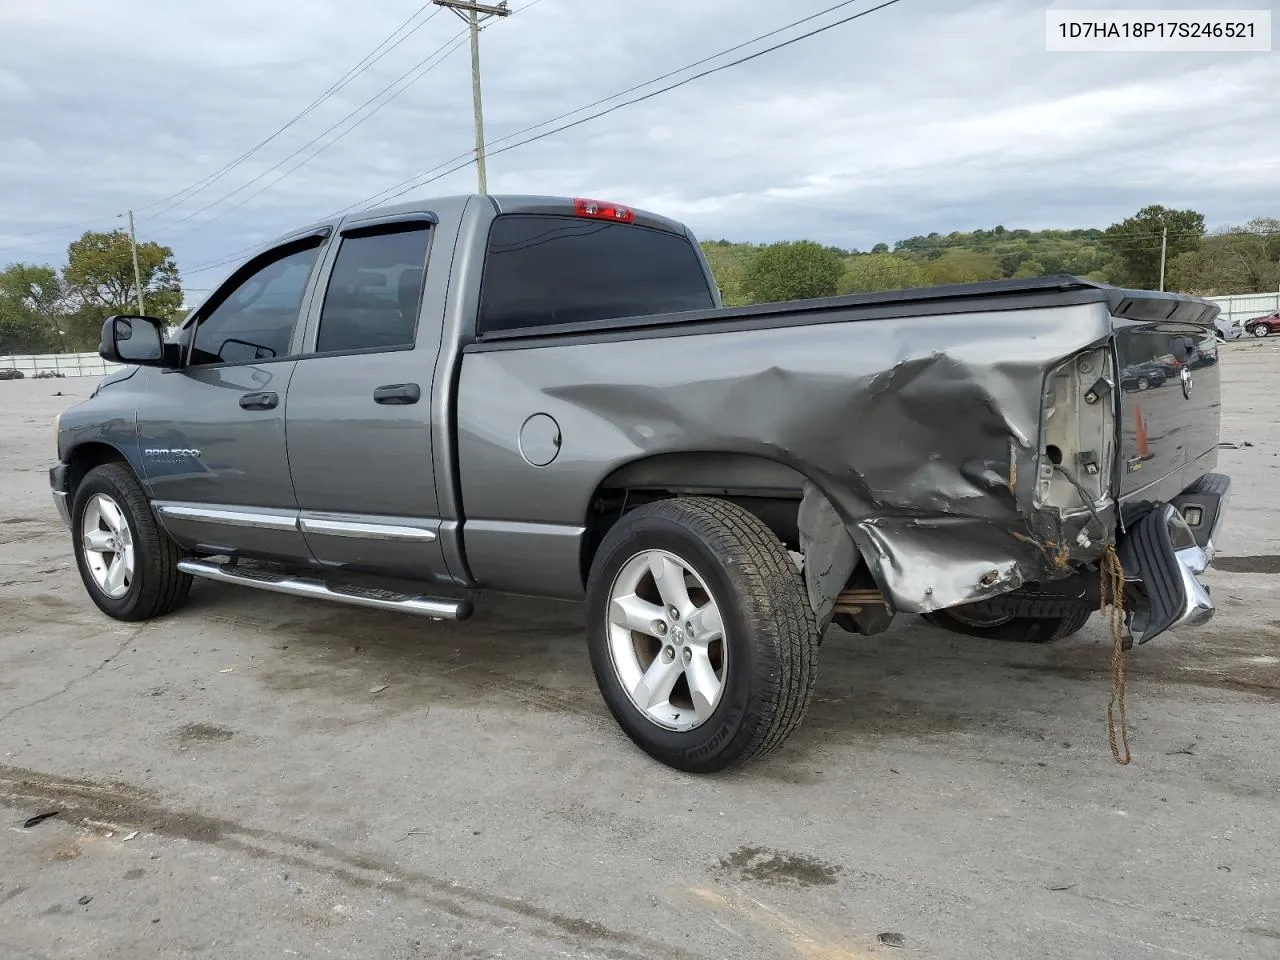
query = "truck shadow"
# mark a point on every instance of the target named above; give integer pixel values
(913, 682)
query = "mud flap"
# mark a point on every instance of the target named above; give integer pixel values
(1161, 561)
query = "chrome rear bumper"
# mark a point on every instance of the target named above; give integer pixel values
(1165, 553)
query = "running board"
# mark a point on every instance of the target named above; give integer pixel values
(439, 608)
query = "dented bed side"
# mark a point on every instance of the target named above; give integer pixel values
(924, 434)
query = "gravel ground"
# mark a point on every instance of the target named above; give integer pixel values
(232, 786)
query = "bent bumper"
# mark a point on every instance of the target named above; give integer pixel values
(61, 494)
(1165, 553)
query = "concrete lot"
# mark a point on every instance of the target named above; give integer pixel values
(956, 793)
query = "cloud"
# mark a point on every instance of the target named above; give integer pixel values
(924, 116)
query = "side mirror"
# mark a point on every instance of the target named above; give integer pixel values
(134, 339)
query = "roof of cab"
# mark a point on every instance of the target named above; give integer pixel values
(453, 206)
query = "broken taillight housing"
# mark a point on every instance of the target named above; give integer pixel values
(1078, 434)
(599, 210)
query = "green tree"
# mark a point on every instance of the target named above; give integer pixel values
(963, 266)
(1135, 243)
(726, 261)
(1235, 259)
(875, 272)
(99, 273)
(33, 309)
(1029, 269)
(792, 271)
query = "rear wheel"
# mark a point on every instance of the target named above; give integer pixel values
(1011, 629)
(701, 636)
(127, 562)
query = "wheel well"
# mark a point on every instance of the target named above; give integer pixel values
(770, 490)
(87, 456)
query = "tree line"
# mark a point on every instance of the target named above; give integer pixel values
(1232, 259)
(47, 309)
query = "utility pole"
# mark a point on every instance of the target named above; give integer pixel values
(1164, 246)
(137, 274)
(474, 14)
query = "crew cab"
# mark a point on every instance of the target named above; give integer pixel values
(542, 396)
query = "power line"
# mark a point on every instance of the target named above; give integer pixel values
(443, 53)
(192, 189)
(418, 181)
(622, 93)
(186, 193)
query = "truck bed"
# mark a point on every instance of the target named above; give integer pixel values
(917, 414)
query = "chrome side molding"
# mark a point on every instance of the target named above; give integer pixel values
(365, 529)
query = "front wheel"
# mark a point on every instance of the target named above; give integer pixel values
(1011, 629)
(127, 562)
(701, 636)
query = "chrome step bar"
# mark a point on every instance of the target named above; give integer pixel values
(439, 608)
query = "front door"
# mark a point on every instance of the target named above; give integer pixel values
(212, 432)
(358, 415)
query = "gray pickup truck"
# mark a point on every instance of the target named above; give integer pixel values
(543, 396)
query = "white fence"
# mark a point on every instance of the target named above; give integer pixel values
(67, 364)
(1246, 306)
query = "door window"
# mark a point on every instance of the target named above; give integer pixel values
(255, 319)
(374, 291)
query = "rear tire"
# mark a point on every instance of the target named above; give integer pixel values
(695, 702)
(127, 562)
(1013, 629)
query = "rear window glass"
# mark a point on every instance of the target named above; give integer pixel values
(543, 270)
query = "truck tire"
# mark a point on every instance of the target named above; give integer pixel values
(701, 636)
(127, 562)
(1014, 629)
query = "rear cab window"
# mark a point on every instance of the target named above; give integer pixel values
(543, 270)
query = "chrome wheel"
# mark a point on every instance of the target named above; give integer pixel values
(666, 640)
(1261, 330)
(107, 545)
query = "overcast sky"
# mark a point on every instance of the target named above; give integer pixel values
(929, 115)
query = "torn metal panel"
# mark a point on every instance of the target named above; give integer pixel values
(923, 434)
(829, 553)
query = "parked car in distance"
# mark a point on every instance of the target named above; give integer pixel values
(1263, 326)
(403, 407)
(1229, 329)
(49, 375)
(1144, 376)
(11, 373)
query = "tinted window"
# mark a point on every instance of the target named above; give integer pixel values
(547, 270)
(255, 322)
(373, 294)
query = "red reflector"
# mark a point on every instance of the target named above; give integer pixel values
(603, 211)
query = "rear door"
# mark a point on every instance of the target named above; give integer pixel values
(358, 414)
(212, 432)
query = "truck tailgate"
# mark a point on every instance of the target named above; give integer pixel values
(1169, 394)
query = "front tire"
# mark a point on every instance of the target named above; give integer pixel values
(1261, 330)
(701, 637)
(1012, 629)
(127, 562)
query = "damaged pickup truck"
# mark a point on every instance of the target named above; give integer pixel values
(398, 408)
